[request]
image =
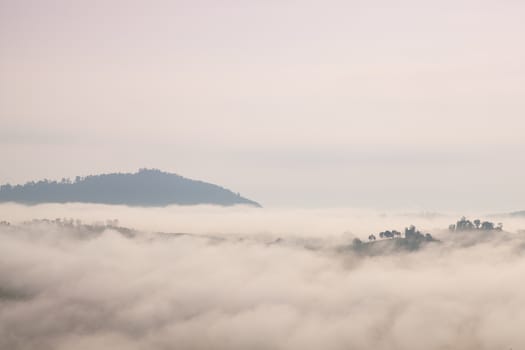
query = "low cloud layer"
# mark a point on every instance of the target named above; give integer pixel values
(63, 288)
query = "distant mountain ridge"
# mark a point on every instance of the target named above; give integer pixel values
(147, 187)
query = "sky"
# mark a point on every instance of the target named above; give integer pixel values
(412, 104)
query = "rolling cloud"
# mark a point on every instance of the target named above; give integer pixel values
(65, 288)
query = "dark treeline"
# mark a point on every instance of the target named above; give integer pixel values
(410, 233)
(412, 238)
(147, 187)
(477, 225)
(75, 227)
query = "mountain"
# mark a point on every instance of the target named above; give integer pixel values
(147, 187)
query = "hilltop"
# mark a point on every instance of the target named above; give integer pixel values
(147, 187)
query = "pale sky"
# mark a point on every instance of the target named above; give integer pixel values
(416, 104)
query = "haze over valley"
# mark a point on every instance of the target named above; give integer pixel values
(242, 277)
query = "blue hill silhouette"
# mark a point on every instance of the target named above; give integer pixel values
(147, 187)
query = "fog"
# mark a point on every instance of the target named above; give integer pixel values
(244, 278)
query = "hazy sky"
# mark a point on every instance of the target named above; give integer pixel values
(296, 103)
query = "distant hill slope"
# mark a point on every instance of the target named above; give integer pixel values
(147, 187)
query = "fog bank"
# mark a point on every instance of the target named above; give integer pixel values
(63, 290)
(203, 219)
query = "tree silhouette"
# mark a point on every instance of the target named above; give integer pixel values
(487, 225)
(477, 225)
